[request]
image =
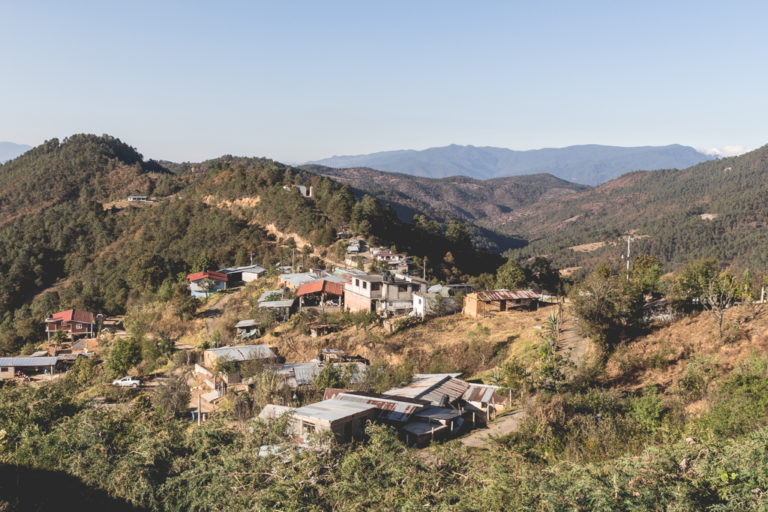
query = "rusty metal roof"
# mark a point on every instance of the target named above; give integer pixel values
(492, 295)
(484, 393)
(432, 389)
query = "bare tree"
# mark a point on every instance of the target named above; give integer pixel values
(721, 291)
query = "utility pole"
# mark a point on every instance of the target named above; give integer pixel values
(251, 259)
(629, 248)
(424, 269)
(293, 259)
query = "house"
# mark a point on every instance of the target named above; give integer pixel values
(491, 301)
(237, 355)
(73, 322)
(425, 304)
(138, 198)
(243, 274)
(295, 375)
(382, 293)
(450, 290)
(27, 365)
(293, 280)
(283, 309)
(247, 329)
(301, 189)
(317, 292)
(345, 419)
(203, 283)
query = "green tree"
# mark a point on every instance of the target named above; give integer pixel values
(172, 397)
(510, 275)
(124, 354)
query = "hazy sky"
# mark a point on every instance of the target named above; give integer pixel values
(303, 80)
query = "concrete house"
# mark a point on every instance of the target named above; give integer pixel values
(384, 294)
(199, 280)
(73, 322)
(425, 304)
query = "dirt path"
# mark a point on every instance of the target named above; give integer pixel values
(571, 345)
(481, 437)
(217, 310)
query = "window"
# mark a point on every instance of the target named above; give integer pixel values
(365, 285)
(79, 326)
(375, 287)
(357, 282)
(308, 428)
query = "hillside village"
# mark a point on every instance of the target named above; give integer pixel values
(429, 407)
(240, 321)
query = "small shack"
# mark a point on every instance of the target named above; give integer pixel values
(9, 366)
(283, 309)
(485, 303)
(345, 419)
(247, 329)
(244, 274)
(237, 355)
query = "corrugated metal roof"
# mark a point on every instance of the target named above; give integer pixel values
(431, 375)
(432, 389)
(267, 293)
(490, 295)
(248, 268)
(332, 410)
(28, 361)
(437, 413)
(297, 279)
(397, 408)
(304, 373)
(484, 393)
(207, 274)
(243, 352)
(246, 323)
(276, 304)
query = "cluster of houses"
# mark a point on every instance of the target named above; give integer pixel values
(431, 407)
(78, 329)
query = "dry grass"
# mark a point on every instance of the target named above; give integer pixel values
(661, 357)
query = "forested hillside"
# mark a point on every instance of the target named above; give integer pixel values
(66, 242)
(714, 209)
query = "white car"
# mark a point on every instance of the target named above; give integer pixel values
(127, 382)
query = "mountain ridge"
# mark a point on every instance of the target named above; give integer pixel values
(10, 150)
(588, 164)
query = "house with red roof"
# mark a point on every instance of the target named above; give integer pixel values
(72, 321)
(201, 284)
(317, 292)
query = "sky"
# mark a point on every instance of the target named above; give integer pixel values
(297, 81)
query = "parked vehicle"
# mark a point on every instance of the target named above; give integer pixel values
(127, 382)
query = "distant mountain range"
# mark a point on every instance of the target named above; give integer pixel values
(10, 150)
(587, 164)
